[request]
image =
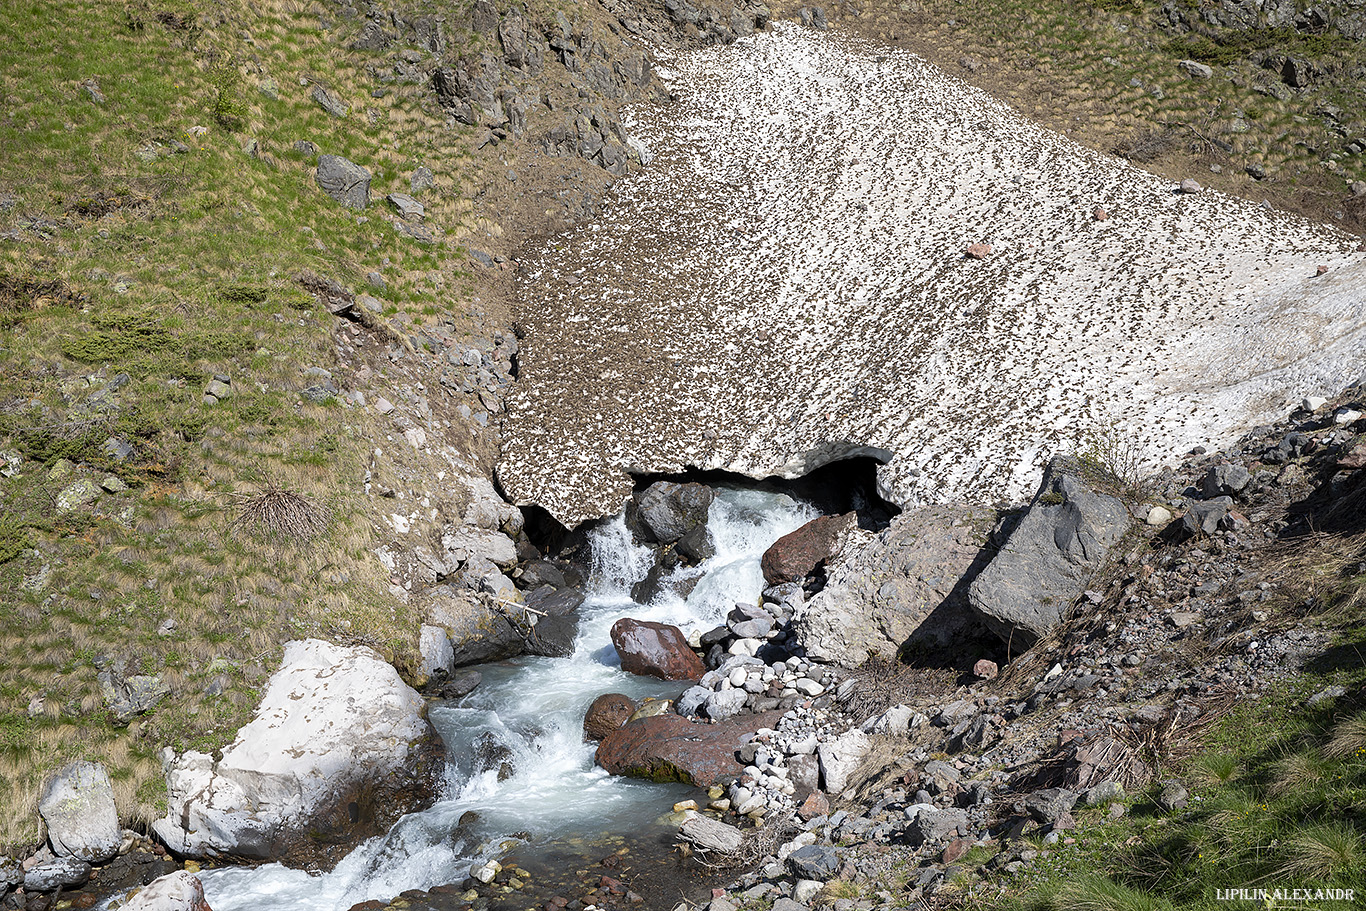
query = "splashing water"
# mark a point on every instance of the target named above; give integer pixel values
(520, 772)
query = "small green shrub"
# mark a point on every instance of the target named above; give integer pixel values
(229, 107)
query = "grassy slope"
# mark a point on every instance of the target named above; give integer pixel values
(173, 270)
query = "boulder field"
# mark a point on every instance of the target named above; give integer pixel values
(840, 250)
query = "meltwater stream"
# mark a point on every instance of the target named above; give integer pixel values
(534, 707)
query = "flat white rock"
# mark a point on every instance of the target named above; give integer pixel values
(788, 284)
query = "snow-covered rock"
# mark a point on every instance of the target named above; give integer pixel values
(338, 745)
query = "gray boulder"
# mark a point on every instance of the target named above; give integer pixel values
(818, 862)
(328, 101)
(931, 825)
(840, 758)
(476, 629)
(1203, 516)
(666, 511)
(1225, 480)
(899, 593)
(345, 181)
(1027, 588)
(338, 750)
(78, 806)
(1048, 805)
(711, 834)
(128, 697)
(58, 873)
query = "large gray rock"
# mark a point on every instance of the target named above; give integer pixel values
(1027, 589)
(711, 834)
(128, 697)
(338, 750)
(345, 181)
(931, 825)
(78, 806)
(58, 873)
(477, 628)
(900, 593)
(666, 511)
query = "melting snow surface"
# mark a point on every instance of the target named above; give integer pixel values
(787, 283)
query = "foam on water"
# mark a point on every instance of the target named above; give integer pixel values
(533, 708)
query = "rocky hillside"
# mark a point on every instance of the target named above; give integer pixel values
(265, 284)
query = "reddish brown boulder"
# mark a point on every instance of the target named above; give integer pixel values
(672, 748)
(979, 251)
(655, 650)
(607, 713)
(796, 555)
(955, 850)
(985, 669)
(816, 804)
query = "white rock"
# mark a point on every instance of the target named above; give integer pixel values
(383, 405)
(178, 891)
(485, 872)
(896, 720)
(434, 646)
(749, 647)
(332, 717)
(737, 677)
(78, 806)
(1313, 402)
(804, 890)
(808, 687)
(839, 759)
(1345, 415)
(416, 437)
(1158, 515)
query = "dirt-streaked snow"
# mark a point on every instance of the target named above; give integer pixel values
(787, 283)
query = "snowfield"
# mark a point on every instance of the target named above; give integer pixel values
(787, 283)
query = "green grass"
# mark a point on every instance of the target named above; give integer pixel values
(170, 268)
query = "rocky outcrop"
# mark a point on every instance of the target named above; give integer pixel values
(337, 751)
(1028, 588)
(798, 554)
(477, 628)
(672, 748)
(78, 807)
(901, 593)
(655, 650)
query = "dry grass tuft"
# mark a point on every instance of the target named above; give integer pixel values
(1349, 739)
(280, 513)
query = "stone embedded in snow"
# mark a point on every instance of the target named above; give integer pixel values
(78, 807)
(338, 750)
(1190, 185)
(643, 350)
(979, 251)
(178, 891)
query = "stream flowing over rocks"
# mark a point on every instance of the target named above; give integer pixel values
(789, 283)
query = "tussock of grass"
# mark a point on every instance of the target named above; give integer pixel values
(1096, 893)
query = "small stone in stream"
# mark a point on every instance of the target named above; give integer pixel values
(979, 251)
(607, 713)
(60, 872)
(1189, 185)
(710, 834)
(985, 669)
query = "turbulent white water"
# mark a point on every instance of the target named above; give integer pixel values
(535, 707)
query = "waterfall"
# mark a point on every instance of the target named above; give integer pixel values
(520, 773)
